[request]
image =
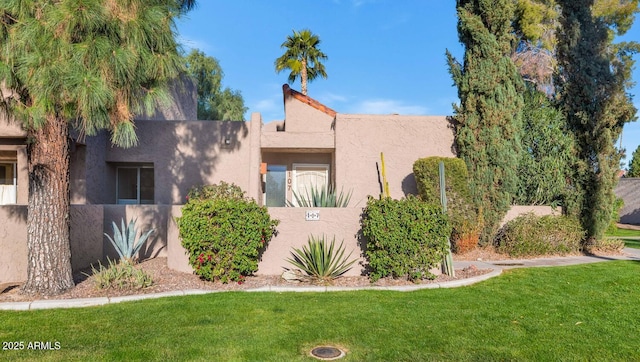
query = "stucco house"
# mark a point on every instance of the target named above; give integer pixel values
(312, 145)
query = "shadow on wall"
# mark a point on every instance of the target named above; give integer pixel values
(631, 218)
(184, 104)
(452, 126)
(16, 213)
(147, 217)
(409, 186)
(200, 150)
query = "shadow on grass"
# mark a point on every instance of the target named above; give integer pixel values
(631, 243)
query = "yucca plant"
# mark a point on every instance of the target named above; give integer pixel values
(124, 239)
(321, 263)
(322, 197)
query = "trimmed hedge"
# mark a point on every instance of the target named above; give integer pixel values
(460, 208)
(531, 235)
(405, 238)
(224, 232)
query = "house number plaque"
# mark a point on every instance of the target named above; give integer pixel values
(312, 215)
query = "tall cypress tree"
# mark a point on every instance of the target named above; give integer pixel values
(489, 114)
(591, 89)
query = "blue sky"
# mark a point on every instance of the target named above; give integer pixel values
(385, 56)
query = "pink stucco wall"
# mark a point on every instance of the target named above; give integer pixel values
(293, 231)
(87, 241)
(13, 243)
(403, 139)
(184, 105)
(300, 117)
(539, 210)
(10, 129)
(185, 154)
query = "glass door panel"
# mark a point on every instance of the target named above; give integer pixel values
(276, 186)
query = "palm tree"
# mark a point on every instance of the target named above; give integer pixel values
(302, 57)
(86, 66)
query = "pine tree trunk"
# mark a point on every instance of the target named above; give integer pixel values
(49, 254)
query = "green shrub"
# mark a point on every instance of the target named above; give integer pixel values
(465, 223)
(405, 238)
(121, 276)
(224, 233)
(531, 235)
(321, 262)
(222, 190)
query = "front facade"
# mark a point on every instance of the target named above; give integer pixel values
(312, 146)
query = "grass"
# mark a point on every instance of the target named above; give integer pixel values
(583, 312)
(625, 233)
(631, 243)
(630, 237)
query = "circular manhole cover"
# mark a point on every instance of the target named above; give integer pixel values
(327, 353)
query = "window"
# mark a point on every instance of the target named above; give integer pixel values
(8, 183)
(307, 176)
(276, 186)
(135, 185)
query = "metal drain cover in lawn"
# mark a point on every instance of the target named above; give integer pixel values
(327, 353)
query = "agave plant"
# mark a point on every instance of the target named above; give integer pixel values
(124, 239)
(321, 262)
(322, 197)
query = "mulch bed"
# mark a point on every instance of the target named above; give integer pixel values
(166, 280)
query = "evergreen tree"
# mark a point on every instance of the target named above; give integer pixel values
(214, 103)
(489, 115)
(535, 25)
(634, 164)
(87, 65)
(547, 152)
(591, 87)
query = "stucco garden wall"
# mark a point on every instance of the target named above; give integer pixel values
(293, 231)
(89, 222)
(13, 243)
(88, 244)
(518, 210)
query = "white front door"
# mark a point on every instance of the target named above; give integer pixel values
(307, 176)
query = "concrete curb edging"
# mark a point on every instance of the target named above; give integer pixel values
(94, 302)
(495, 266)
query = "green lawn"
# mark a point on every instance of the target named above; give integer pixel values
(625, 232)
(631, 238)
(584, 312)
(631, 243)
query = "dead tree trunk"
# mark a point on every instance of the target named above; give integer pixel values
(49, 253)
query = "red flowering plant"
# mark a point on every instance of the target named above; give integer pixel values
(224, 232)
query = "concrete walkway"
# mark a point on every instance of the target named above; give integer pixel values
(496, 266)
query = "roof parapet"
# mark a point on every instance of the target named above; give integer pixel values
(288, 92)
